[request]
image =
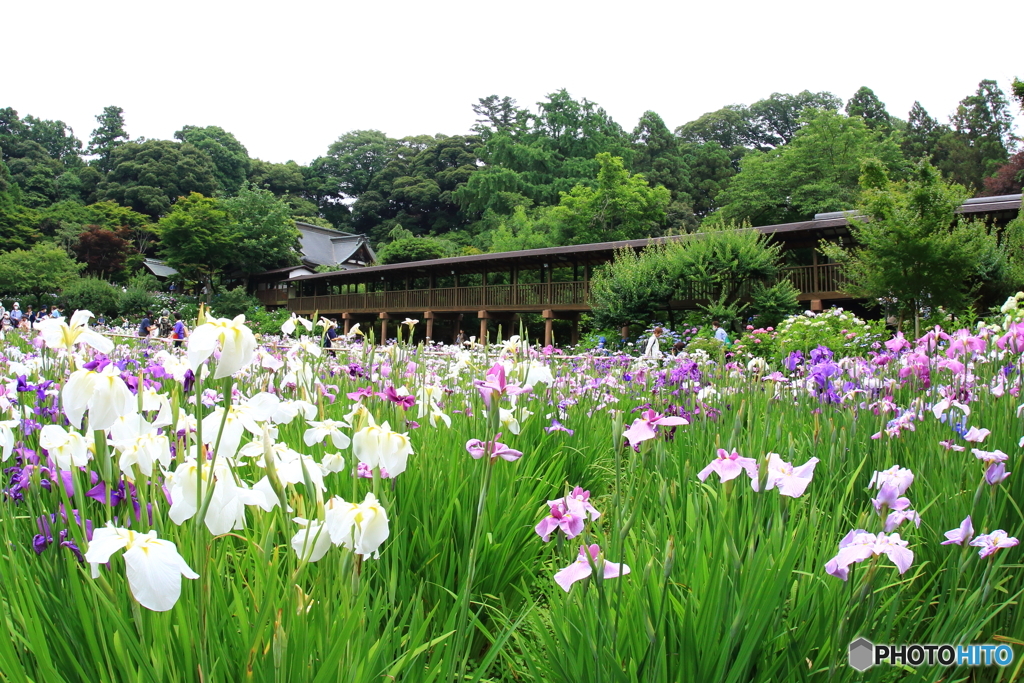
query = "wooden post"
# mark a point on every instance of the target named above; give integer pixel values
(624, 332)
(429, 317)
(575, 338)
(549, 319)
(484, 317)
(384, 318)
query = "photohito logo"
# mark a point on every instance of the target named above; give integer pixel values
(864, 654)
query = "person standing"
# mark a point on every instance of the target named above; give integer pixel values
(653, 349)
(720, 333)
(180, 332)
(146, 327)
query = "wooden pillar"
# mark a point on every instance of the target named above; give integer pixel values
(549, 319)
(429, 317)
(484, 317)
(458, 326)
(575, 339)
(624, 332)
(384, 318)
(347, 320)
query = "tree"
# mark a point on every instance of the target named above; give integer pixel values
(632, 287)
(196, 239)
(231, 163)
(658, 155)
(44, 268)
(915, 250)
(42, 157)
(1008, 178)
(548, 154)
(17, 223)
(108, 136)
(407, 249)
(817, 172)
(151, 175)
(264, 235)
(717, 263)
(981, 137)
(775, 120)
(922, 134)
(103, 251)
(729, 126)
(498, 115)
(866, 105)
(620, 207)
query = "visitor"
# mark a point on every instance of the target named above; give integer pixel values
(146, 327)
(720, 333)
(179, 332)
(653, 349)
(164, 325)
(31, 316)
(2, 309)
(16, 314)
(5, 321)
(55, 312)
(101, 321)
(460, 338)
(678, 347)
(330, 335)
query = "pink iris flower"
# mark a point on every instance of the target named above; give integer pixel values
(581, 569)
(900, 476)
(990, 543)
(960, 535)
(644, 427)
(897, 343)
(568, 518)
(729, 466)
(478, 449)
(859, 545)
(975, 435)
(495, 385)
(581, 499)
(791, 481)
(390, 394)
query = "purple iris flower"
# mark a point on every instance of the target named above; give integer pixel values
(360, 393)
(859, 545)
(729, 466)
(793, 360)
(995, 473)
(960, 535)
(478, 449)
(390, 394)
(990, 543)
(557, 426)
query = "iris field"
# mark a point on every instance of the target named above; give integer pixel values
(266, 510)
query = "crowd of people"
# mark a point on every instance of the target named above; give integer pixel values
(26, 320)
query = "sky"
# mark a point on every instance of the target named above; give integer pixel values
(287, 78)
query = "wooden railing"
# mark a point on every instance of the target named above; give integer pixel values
(272, 297)
(810, 280)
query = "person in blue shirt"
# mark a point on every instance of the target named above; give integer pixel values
(720, 333)
(330, 335)
(180, 331)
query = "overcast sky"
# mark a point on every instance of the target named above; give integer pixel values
(288, 77)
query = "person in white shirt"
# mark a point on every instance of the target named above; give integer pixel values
(653, 349)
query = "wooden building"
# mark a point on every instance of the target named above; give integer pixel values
(554, 282)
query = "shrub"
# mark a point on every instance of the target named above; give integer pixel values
(92, 294)
(233, 302)
(835, 328)
(135, 302)
(773, 304)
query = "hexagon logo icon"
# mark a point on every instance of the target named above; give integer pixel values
(862, 654)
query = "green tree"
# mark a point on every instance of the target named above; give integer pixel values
(17, 223)
(149, 176)
(632, 287)
(41, 156)
(729, 126)
(719, 264)
(775, 120)
(922, 134)
(196, 239)
(264, 235)
(980, 138)
(817, 172)
(231, 163)
(533, 229)
(107, 137)
(659, 156)
(548, 153)
(620, 207)
(866, 105)
(407, 249)
(43, 268)
(915, 250)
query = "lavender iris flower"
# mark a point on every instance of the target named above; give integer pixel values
(960, 535)
(990, 543)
